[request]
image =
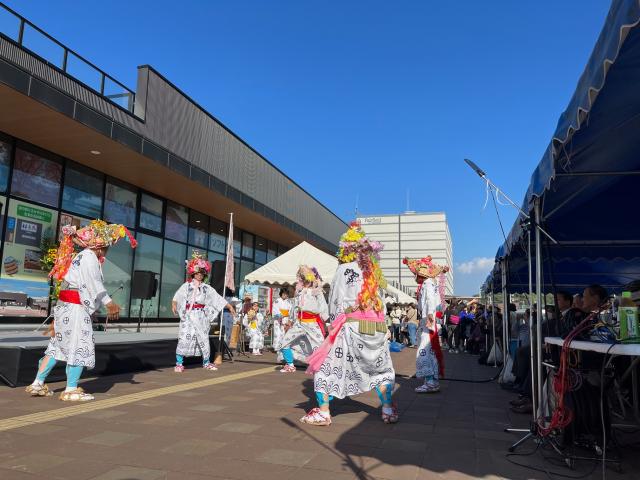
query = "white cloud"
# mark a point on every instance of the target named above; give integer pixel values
(476, 265)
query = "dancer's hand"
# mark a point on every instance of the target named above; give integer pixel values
(113, 311)
(174, 307)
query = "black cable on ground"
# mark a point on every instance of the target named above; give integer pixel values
(465, 380)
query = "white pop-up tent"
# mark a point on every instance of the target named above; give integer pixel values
(400, 296)
(281, 271)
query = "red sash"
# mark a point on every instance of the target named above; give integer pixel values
(70, 296)
(195, 306)
(310, 317)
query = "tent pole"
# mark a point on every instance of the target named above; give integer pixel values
(534, 399)
(539, 292)
(506, 324)
(493, 323)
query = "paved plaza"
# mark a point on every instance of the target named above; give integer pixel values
(242, 423)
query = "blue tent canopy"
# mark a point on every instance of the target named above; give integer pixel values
(589, 175)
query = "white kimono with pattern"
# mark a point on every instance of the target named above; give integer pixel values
(254, 330)
(428, 301)
(305, 337)
(280, 321)
(73, 340)
(357, 362)
(193, 335)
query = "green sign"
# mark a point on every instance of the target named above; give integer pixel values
(35, 213)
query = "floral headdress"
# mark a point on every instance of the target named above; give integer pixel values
(424, 268)
(356, 247)
(307, 274)
(198, 263)
(98, 234)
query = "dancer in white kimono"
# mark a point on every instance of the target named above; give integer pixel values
(254, 324)
(282, 311)
(355, 356)
(429, 358)
(307, 332)
(198, 304)
(82, 293)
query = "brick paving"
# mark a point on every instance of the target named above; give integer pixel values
(248, 429)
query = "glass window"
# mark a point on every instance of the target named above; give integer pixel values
(272, 251)
(24, 284)
(36, 178)
(82, 191)
(237, 242)
(117, 274)
(5, 160)
(261, 251)
(120, 204)
(199, 229)
(68, 219)
(282, 249)
(176, 223)
(245, 269)
(3, 206)
(217, 235)
(150, 213)
(236, 272)
(247, 245)
(148, 256)
(173, 274)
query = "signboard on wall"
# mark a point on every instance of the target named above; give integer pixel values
(372, 220)
(21, 273)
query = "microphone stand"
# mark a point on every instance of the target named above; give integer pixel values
(536, 347)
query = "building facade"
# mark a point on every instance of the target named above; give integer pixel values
(76, 144)
(413, 235)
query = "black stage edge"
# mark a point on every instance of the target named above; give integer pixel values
(115, 353)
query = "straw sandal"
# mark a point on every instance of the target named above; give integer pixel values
(314, 417)
(77, 395)
(391, 417)
(38, 390)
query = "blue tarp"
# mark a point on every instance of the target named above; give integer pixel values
(587, 180)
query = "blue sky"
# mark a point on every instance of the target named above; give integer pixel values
(365, 98)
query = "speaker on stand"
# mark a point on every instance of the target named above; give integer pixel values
(144, 286)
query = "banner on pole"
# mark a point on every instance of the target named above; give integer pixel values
(229, 281)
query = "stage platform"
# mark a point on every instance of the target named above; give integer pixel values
(115, 353)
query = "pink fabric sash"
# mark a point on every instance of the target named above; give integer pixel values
(316, 359)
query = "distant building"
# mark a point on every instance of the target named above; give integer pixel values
(13, 299)
(413, 235)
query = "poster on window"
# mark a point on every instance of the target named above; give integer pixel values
(24, 285)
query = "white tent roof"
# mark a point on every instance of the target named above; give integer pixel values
(400, 295)
(282, 270)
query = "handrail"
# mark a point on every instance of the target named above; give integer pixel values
(66, 51)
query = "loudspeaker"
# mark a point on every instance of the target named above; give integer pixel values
(217, 275)
(143, 285)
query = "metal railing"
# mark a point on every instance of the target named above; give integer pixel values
(17, 29)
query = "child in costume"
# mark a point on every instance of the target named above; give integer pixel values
(430, 294)
(282, 309)
(253, 322)
(307, 333)
(198, 304)
(355, 357)
(82, 293)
